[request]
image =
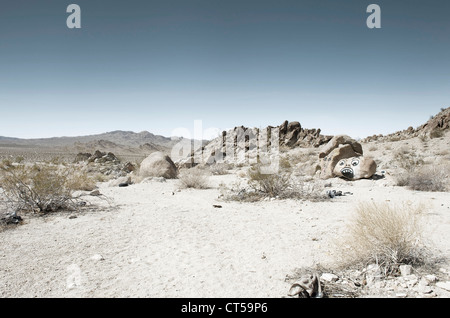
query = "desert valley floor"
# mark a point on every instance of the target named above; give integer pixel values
(161, 242)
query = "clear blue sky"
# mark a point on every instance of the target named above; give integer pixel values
(159, 65)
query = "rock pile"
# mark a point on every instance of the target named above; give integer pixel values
(371, 282)
(97, 157)
(293, 135)
(105, 163)
(242, 145)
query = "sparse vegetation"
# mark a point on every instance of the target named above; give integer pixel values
(80, 180)
(219, 169)
(272, 185)
(285, 162)
(194, 178)
(427, 178)
(281, 185)
(436, 133)
(408, 161)
(41, 188)
(386, 235)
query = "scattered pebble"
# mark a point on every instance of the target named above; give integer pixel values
(97, 257)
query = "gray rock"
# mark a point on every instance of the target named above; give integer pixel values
(405, 270)
(95, 193)
(328, 277)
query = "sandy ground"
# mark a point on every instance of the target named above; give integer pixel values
(156, 241)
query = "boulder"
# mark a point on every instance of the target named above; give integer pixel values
(338, 140)
(293, 125)
(342, 157)
(158, 165)
(97, 155)
(291, 137)
(355, 168)
(329, 162)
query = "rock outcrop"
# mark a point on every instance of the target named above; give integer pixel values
(243, 145)
(158, 165)
(434, 127)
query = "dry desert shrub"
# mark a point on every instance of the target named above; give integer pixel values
(194, 178)
(40, 188)
(436, 133)
(274, 184)
(408, 161)
(285, 162)
(219, 169)
(281, 185)
(80, 180)
(386, 235)
(427, 178)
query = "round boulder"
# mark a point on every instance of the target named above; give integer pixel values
(158, 165)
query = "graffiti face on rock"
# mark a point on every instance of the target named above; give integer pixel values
(350, 168)
(355, 168)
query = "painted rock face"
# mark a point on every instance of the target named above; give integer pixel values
(355, 168)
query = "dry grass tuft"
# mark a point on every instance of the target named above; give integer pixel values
(219, 169)
(270, 184)
(433, 178)
(194, 178)
(386, 235)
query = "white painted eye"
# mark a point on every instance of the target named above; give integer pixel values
(342, 162)
(355, 162)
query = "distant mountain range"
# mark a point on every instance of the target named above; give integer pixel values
(115, 141)
(127, 138)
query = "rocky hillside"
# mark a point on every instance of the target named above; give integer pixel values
(434, 127)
